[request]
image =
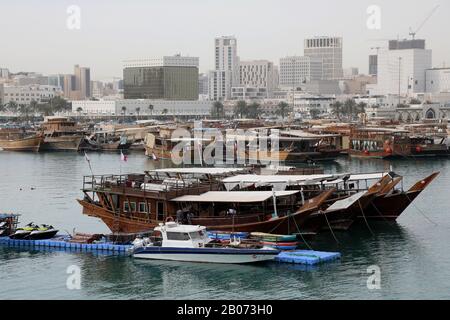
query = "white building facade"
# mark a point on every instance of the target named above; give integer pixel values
(142, 107)
(437, 80)
(329, 49)
(226, 73)
(402, 68)
(304, 103)
(23, 95)
(295, 71)
(256, 77)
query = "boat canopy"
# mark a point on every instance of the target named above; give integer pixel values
(346, 203)
(211, 171)
(303, 135)
(280, 182)
(234, 196)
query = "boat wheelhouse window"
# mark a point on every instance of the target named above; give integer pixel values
(180, 236)
(126, 206)
(142, 207)
(196, 235)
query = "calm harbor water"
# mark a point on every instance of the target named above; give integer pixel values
(413, 254)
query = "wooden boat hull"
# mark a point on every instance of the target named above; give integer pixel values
(62, 143)
(25, 144)
(391, 206)
(282, 225)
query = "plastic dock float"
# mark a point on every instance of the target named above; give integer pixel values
(307, 257)
(60, 243)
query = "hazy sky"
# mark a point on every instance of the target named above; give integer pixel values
(35, 37)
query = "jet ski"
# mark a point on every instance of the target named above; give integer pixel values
(23, 233)
(42, 233)
(2, 224)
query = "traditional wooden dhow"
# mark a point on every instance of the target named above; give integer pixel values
(60, 134)
(390, 205)
(384, 143)
(139, 202)
(19, 140)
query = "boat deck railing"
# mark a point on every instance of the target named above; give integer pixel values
(140, 185)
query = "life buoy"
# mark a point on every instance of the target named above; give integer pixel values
(169, 219)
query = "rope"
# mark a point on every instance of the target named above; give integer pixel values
(420, 211)
(300, 233)
(382, 216)
(329, 226)
(365, 219)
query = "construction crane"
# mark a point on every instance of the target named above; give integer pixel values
(413, 33)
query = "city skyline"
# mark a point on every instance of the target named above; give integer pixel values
(128, 31)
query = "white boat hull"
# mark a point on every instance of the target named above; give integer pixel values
(207, 258)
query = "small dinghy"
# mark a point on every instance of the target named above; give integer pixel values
(191, 244)
(43, 232)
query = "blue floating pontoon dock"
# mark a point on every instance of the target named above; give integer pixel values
(307, 257)
(63, 243)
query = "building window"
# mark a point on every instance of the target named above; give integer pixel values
(126, 206)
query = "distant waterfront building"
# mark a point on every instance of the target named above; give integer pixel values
(329, 49)
(23, 95)
(226, 72)
(402, 68)
(4, 73)
(203, 84)
(56, 80)
(32, 78)
(350, 73)
(295, 71)
(69, 87)
(373, 65)
(304, 103)
(167, 78)
(82, 82)
(186, 108)
(437, 80)
(257, 76)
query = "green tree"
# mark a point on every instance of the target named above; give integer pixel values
(240, 109)
(314, 113)
(33, 106)
(12, 106)
(59, 104)
(138, 111)
(218, 111)
(24, 110)
(124, 112)
(79, 111)
(336, 109)
(150, 108)
(283, 109)
(253, 110)
(165, 111)
(350, 108)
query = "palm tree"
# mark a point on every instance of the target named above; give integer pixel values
(150, 107)
(138, 111)
(253, 110)
(165, 111)
(33, 106)
(79, 110)
(218, 110)
(24, 110)
(336, 109)
(124, 112)
(240, 109)
(283, 109)
(350, 108)
(12, 106)
(314, 113)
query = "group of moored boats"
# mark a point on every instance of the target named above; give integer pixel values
(238, 200)
(61, 134)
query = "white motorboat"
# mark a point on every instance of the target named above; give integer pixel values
(178, 242)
